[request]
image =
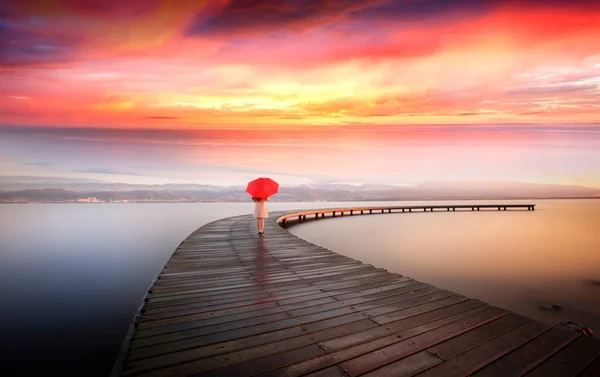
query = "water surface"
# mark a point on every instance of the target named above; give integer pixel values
(73, 275)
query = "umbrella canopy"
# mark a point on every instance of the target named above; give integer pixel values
(262, 188)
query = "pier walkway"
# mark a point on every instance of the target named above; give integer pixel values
(231, 303)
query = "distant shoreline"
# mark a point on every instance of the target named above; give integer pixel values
(296, 201)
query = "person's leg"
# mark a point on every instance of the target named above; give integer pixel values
(258, 225)
(262, 225)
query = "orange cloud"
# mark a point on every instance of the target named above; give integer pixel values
(221, 63)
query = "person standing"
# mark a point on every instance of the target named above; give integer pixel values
(261, 212)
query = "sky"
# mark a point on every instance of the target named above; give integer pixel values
(396, 155)
(397, 91)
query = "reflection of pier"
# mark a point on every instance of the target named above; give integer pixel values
(300, 216)
(230, 303)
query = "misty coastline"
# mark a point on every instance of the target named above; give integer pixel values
(189, 193)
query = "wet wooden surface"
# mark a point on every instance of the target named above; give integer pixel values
(231, 303)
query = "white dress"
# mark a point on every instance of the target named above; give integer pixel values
(260, 210)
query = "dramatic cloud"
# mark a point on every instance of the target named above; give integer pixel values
(233, 63)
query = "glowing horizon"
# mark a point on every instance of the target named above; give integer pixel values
(373, 155)
(237, 64)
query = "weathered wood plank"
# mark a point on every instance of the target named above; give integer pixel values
(528, 356)
(328, 372)
(433, 319)
(460, 344)
(241, 356)
(480, 356)
(267, 363)
(571, 360)
(365, 348)
(408, 366)
(403, 348)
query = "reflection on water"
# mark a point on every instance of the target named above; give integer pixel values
(544, 264)
(262, 270)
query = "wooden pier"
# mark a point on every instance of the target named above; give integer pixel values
(319, 213)
(231, 303)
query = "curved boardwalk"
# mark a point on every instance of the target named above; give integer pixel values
(230, 303)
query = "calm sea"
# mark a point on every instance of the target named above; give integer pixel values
(73, 275)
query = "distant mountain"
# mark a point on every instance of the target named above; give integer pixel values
(33, 183)
(116, 192)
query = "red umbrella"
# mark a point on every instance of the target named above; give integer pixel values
(262, 188)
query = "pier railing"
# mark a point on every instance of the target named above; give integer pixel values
(320, 213)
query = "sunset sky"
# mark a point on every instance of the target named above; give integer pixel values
(310, 78)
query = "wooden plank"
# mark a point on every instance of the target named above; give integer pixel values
(480, 356)
(207, 301)
(462, 343)
(336, 316)
(206, 330)
(301, 294)
(203, 352)
(528, 356)
(360, 303)
(231, 289)
(407, 367)
(267, 363)
(338, 357)
(205, 322)
(571, 360)
(148, 324)
(244, 355)
(448, 314)
(406, 347)
(394, 313)
(333, 371)
(403, 282)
